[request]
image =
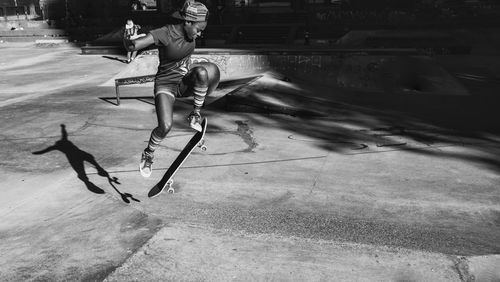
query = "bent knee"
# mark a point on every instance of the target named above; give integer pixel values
(200, 74)
(163, 129)
(213, 76)
(212, 70)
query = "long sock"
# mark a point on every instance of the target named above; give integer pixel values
(154, 141)
(199, 95)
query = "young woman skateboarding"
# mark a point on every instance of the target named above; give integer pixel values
(176, 77)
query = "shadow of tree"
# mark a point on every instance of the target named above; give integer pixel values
(77, 158)
(353, 122)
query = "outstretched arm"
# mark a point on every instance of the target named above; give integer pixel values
(46, 150)
(139, 43)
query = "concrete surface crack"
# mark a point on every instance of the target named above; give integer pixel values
(88, 123)
(461, 265)
(318, 174)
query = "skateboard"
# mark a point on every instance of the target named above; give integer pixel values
(167, 180)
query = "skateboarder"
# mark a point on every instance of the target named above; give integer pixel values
(175, 76)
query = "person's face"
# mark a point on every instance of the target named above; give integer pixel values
(194, 29)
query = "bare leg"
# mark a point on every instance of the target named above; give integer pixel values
(164, 104)
(200, 81)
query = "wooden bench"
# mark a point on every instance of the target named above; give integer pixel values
(131, 80)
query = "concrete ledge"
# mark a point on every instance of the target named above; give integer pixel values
(51, 41)
(268, 50)
(97, 50)
(30, 38)
(34, 32)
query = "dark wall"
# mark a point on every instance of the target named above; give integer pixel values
(58, 9)
(6, 2)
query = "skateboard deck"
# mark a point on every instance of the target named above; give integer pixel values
(167, 180)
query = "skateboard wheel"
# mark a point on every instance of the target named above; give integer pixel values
(203, 148)
(170, 182)
(171, 190)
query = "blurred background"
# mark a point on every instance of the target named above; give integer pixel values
(315, 23)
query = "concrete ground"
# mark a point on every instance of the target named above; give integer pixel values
(368, 192)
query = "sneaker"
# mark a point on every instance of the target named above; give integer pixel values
(194, 119)
(146, 166)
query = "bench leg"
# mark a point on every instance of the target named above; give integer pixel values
(117, 96)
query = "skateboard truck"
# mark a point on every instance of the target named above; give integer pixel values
(170, 182)
(202, 145)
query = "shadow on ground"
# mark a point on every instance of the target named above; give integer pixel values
(77, 158)
(359, 122)
(355, 122)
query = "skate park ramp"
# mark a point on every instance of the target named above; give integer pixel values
(290, 79)
(349, 69)
(114, 37)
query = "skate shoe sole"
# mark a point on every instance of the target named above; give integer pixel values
(145, 172)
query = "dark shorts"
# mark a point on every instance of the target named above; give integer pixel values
(171, 84)
(173, 89)
(177, 83)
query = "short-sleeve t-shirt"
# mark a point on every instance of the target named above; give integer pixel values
(174, 52)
